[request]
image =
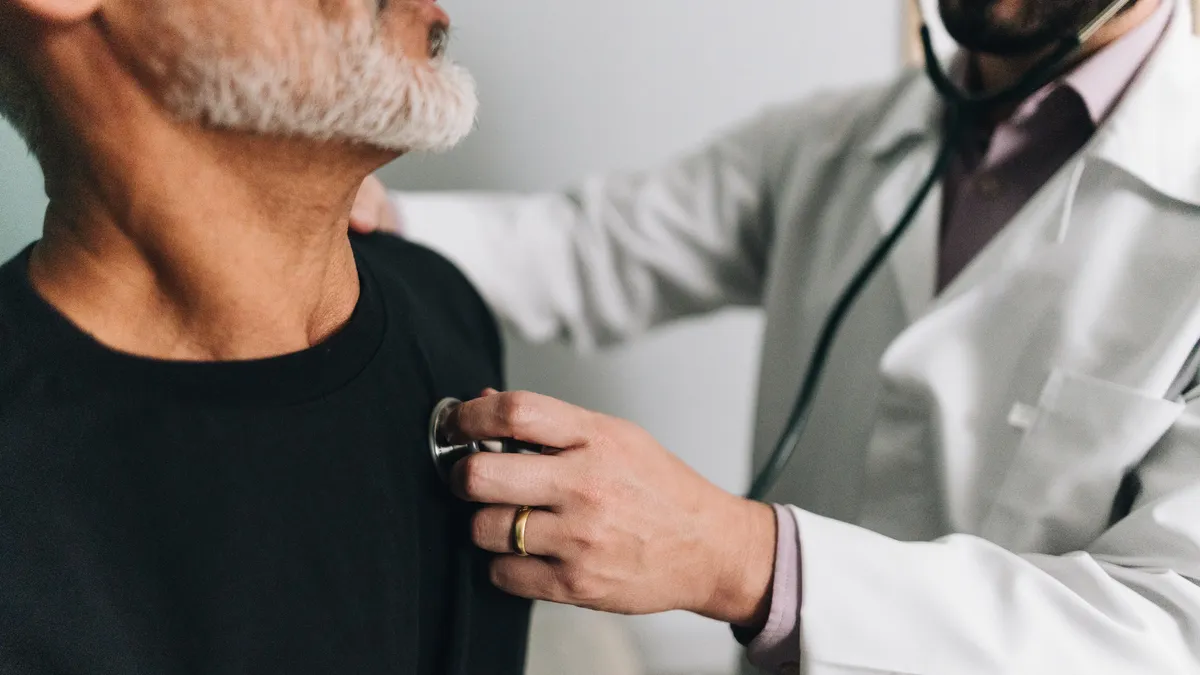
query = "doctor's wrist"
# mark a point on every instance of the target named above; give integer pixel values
(744, 544)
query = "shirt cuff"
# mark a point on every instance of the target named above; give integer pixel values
(777, 647)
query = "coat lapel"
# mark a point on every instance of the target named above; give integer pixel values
(913, 263)
(905, 146)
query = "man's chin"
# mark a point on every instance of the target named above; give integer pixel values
(999, 42)
(1007, 48)
(980, 27)
(353, 92)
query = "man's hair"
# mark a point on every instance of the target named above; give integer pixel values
(21, 103)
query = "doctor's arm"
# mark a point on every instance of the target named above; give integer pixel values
(626, 528)
(620, 253)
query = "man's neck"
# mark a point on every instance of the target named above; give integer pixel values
(237, 250)
(997, 72)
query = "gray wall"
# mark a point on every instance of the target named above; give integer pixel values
(22, 200)
(573, 87)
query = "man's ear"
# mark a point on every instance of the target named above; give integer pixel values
(57, 11)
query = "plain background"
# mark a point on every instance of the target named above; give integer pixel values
(571, 88)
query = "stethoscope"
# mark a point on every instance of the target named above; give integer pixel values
(446, 449)
(961, 106)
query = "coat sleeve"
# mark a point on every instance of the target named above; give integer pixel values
(1129, 603)
(620, 253)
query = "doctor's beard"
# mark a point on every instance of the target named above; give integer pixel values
(319, 81)
(1017, 27)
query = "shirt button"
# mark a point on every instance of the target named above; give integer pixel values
(989, 186)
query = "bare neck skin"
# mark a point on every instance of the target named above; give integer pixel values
(998, 72)
(168, 241)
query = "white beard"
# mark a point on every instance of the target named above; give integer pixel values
(328, 84)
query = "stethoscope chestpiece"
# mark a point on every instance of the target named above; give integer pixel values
(446, 453)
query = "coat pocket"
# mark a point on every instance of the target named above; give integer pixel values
(1083, 437)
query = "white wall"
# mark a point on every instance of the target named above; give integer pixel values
(22, 199)
(570, 87)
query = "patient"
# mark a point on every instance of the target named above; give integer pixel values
(212, 402)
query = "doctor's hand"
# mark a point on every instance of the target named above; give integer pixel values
(621, 525)
(373, 210)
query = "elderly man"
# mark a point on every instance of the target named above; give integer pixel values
(212, 401)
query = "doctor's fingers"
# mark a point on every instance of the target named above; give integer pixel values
(536, 480)
(527, 417)
(554, 581)
(532, 578)
(492, 530)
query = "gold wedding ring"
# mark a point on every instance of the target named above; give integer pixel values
(518, 531)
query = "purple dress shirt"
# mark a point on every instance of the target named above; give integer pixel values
(995, 173)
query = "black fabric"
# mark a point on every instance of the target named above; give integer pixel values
(274, 516)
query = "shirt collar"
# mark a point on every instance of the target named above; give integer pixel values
(1101, 79)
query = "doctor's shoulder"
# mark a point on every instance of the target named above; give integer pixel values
(830, 122)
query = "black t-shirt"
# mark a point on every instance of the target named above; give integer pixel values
(273, 516)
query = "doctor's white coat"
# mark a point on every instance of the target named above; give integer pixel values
(999, 479)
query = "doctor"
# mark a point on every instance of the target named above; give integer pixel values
(1002, 474)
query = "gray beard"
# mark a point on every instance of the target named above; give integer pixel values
(325, 83)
